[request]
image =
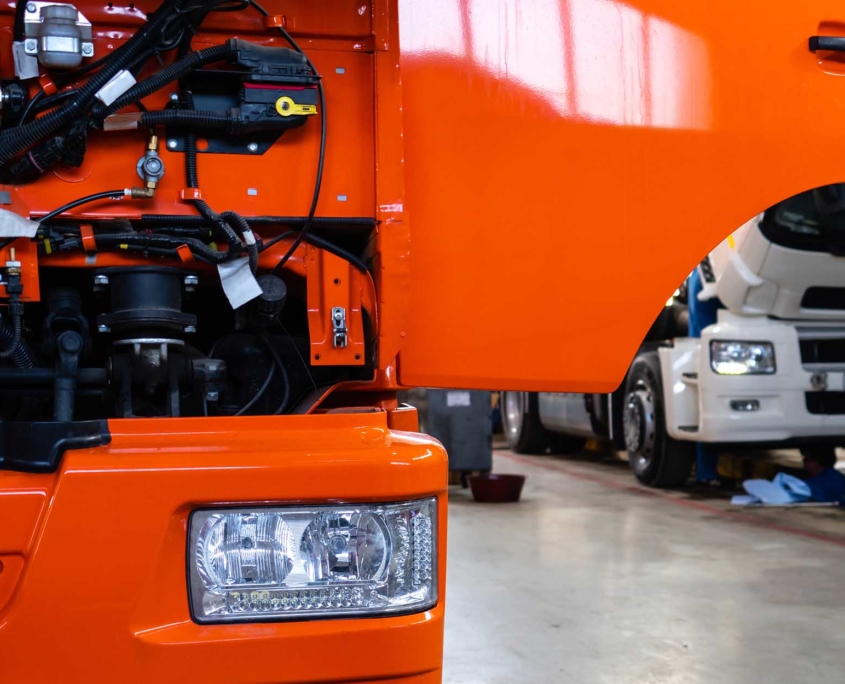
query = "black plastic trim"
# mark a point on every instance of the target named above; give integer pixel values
(39, 447)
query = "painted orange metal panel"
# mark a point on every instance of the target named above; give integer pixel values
(105, 591)
(570, 161)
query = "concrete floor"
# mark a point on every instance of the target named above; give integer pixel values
(591, 579)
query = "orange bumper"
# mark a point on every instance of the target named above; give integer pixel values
(93, 586)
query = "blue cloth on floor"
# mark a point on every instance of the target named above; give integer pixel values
(784, 489)
(827, 486)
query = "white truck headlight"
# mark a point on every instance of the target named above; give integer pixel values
(735, 357)
(258, 564)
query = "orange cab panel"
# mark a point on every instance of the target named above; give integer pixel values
(570, 161)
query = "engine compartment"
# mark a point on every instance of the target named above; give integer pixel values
(180, 235)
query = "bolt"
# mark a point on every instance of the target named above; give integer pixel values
(101, 280)
(30, 7)
(87, 49)
(172, 144)
(30, 45)
(103, 329)
(190, 329)
(252, 147)
(191, 281)
(212, 396)
(174, 97)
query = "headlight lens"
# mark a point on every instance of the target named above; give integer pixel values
(742, 358)
(253, 564)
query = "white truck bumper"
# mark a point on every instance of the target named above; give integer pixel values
(704, 406)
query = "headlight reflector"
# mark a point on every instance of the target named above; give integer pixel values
(735, 357)
(255, 564)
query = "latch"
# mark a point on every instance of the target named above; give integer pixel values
(339, 337)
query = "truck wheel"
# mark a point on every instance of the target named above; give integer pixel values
(521, 422)
(656, 459)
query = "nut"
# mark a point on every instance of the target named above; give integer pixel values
(190, 329)
(103, 329)
(252, 147)
(101, 280)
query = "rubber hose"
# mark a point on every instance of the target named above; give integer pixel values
(197, 247)
(191, 174)
(16, 140)
(185, 119)
(21, 356)
(162, 78)
(15, 341)
(19, 30)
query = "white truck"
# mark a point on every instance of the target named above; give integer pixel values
(770, 372)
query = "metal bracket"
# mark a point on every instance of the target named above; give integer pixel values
(339, 332)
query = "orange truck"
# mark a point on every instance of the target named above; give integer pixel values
(231, 231)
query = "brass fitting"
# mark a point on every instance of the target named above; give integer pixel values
(143, 193)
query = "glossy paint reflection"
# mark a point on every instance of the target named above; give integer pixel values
(595, 60)
(568, 162)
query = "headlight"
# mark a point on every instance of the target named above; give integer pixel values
(255, 564)
(742, 358)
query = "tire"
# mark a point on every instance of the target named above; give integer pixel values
(521, 423)
(656, 459)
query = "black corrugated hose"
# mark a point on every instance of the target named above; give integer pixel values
(171, 73)
(15, 140)
(20, 352)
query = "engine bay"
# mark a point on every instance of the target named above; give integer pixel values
(180, 233)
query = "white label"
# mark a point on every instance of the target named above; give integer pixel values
(119, 84)
(457, 399)
(13, 225)
(238, 282)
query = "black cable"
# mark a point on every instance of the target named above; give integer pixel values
(284, 372)
(30, 106)
(321, 162)
(261, 390)
(160, 79)
(108, 194)
(19, 29)
(323, 244)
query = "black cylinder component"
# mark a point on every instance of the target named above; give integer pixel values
(262, 311)
(145, 302)
(67, 367)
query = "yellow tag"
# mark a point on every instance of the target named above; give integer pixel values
(48, 247)
(285, 106)
(731, 242)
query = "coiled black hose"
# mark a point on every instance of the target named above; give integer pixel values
(15, 337)
(20, 352)
(16, 140)
(154, 83)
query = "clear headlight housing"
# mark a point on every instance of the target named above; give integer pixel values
(735, 357)
(257, 564)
